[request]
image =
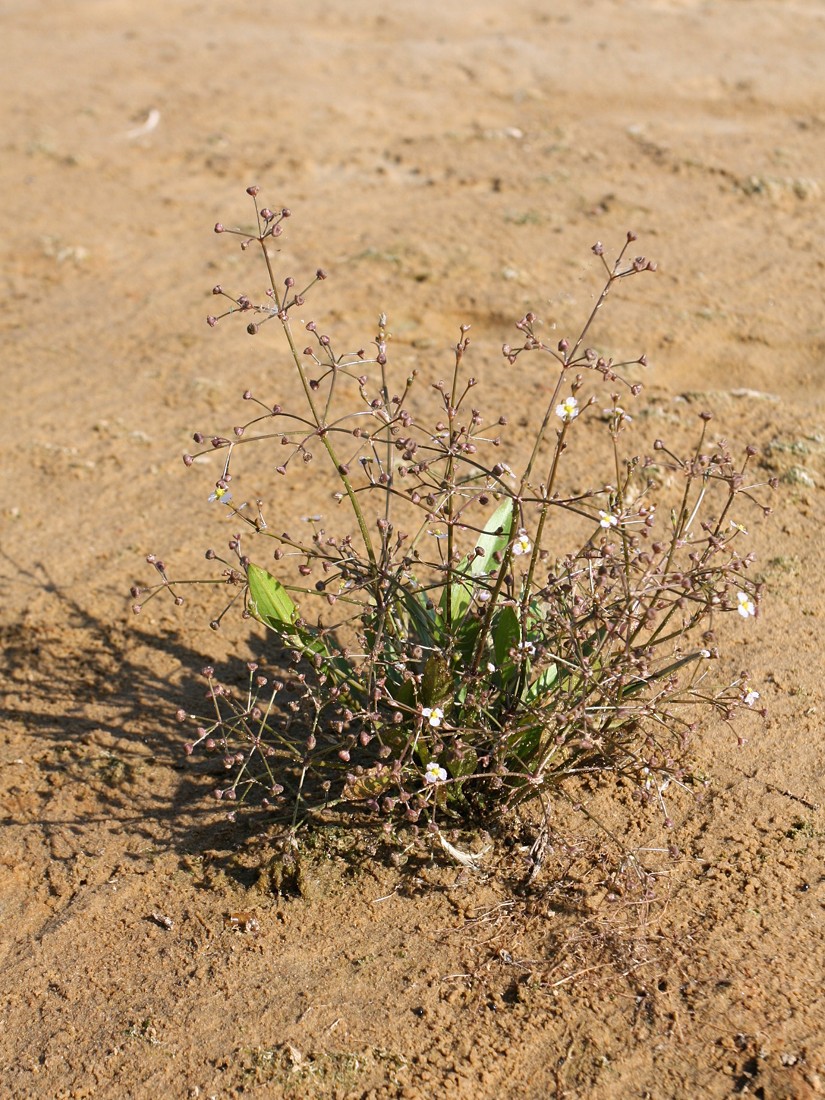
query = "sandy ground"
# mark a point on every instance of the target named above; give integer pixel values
(447, 164)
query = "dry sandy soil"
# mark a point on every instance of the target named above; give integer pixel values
(447, 163)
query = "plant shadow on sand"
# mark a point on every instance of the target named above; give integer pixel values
(91, 702)
(91, 705)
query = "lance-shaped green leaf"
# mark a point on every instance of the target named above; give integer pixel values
(269, 601)
(272, 605)
(542, 684)
(492, 540)
(436, 681)
(636, 686)
(506, 636)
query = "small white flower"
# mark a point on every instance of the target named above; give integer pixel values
(434, 773)
(483, 594)
(434, 715)
(750, 698)
(527, 648)
(568, 410)
(522, 545)
(437, 533)
(738, 527)
(491, 668)
(608, 520)
(220, 494)
(745, 605)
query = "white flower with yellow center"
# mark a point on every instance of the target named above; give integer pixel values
(608, 520)
(568, 410)
(434, 773)
(433, 715)
(522, 545)
(745, 605)
(221, 493)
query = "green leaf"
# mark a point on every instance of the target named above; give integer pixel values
(403, 693)
(493, 539)
(525, 741)
(269, 601)
(461, 760)
(422, 620)
(371, 783)
(542, 684)
(272, 605)
(506, 635)
(436, 682)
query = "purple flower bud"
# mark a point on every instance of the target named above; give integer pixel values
(219, 228)
(211, 321)
(218, 289)
(188, 460)
(253, 191)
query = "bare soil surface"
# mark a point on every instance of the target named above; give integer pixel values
(447, 163)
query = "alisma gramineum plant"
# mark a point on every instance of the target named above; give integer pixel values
(458, 636)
